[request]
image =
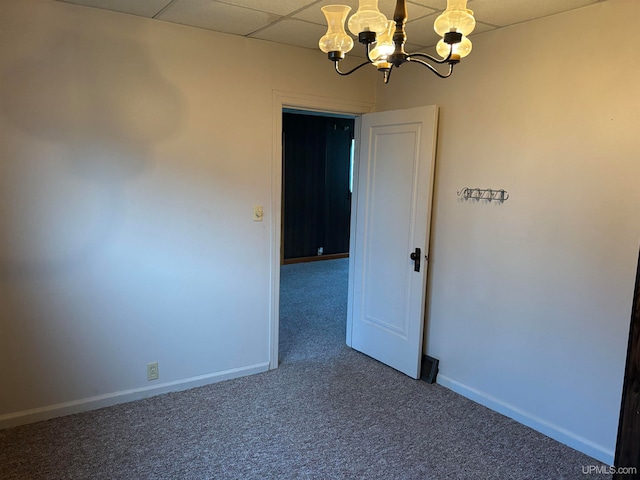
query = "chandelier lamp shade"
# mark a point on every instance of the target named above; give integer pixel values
(384, 39)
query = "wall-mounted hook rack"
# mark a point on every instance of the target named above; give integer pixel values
(488, 194)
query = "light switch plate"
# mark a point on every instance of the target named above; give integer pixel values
(258, 213)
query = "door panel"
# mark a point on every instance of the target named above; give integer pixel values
(385, 264)
(392, 216)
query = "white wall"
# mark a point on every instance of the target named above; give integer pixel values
(130, 161)
(530, 301)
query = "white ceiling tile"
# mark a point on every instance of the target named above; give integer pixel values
(421, 31)
(272, 19)
(281, 7)
(293, 32)
(440, 5)
(315, 15)
(507, 12)
(413, 10)
(481, 27)
(217, 16)
(435, 4)
(144, 8)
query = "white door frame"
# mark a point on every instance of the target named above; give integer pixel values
(303, 102)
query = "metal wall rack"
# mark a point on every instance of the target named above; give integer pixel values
(487, 194)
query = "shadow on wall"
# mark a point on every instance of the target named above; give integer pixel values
(91, 105)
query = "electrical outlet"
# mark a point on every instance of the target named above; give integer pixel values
(152, 371)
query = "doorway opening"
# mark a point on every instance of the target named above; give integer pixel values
(317, 183)
(328, 107)
(317, 186)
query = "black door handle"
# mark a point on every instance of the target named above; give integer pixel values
(415, 256)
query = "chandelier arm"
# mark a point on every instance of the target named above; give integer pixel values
(432, 68)
(433, 59)
(368, 48)
(352, 70)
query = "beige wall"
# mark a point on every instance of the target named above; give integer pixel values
(131, 158)
(132, 154)
(530, 300)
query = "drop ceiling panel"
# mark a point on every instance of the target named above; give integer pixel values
(315, 15)
(414, 10)
(305, 23)
(440, 5)
(217, 16)
(434, 4)
(281, 7)
(306, 34)
(421, 31)
(143, 8)
(496, 12)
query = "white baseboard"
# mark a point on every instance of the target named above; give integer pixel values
(124, 396)
(549, 429)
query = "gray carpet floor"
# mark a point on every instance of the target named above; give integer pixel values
(328, 412)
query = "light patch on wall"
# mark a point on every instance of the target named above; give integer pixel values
(96, 114)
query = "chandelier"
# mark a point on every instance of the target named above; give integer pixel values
(384, 39)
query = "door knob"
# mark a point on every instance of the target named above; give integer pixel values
(415, 256)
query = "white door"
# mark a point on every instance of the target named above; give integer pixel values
(391, 221)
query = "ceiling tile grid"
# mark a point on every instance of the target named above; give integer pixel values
(314, 13)
(218, 16)
(143, 8)
(280, 7)
(301, 22)
(502, 13)
(306, 34)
